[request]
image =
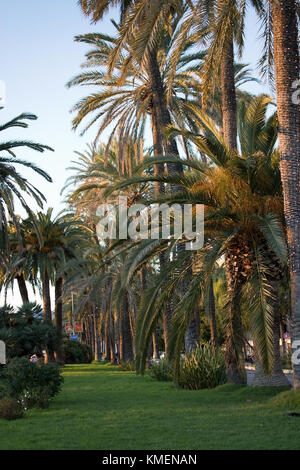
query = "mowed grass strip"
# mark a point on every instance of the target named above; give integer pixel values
(104, 408)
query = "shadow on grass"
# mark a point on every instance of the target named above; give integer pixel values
(90, 368)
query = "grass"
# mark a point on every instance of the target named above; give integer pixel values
(104, 408)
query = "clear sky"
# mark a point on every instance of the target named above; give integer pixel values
(37, 57)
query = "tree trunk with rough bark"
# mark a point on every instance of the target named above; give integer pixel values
(234, 358)
(155, 345)
(229, 107)
(22, 288)
(233, 354)
(212, 317)
(59, 320)
(49, 357)
(286, 60)
(47, 298)
(158, 95)
(192, 335)
(97, 349)
(126, 347)
(282, 331)
(107, 355)
(163, 118)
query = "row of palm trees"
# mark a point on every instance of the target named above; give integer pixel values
(170, 76)
(171, 67)
(242, 195)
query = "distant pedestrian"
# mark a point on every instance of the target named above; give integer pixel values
(34, 358)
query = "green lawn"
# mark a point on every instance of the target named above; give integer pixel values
(103, 408)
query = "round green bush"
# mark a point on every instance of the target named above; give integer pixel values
(10, 409)
(31, 384)
(77, 353)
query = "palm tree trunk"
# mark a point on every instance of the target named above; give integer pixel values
(47, 313)
(234, 357)
(107, 337)
(126, 348)
(233, 353)
(162, 112)
(155, 345)
(97, 348)
(192, 334)
(286, 59)
(229, 117)
(47, 298)
(92, 330)
(157, 138)
(212, 316)
(22, 288)
(113, 353)
(163, 119)
(282, 330)
(158, 95)
(59, 320)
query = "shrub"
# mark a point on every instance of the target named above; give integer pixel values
(24, 330)
(202, 368)
(31, 384)
(161, 371)
(77, 353)
(10, 409)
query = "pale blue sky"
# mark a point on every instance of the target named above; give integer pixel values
(38, 56)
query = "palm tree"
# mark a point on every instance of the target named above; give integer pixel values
(286, 61)
(12, 184)
(60, 237)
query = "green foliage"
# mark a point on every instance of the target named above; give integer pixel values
(10, 409)
(24, 331)
(290, 399)
(77, 353)
(31, 384)
(202, 368)
(161, 371)
(13, 184)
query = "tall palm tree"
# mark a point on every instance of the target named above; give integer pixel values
(60, 237)
(286, 61)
